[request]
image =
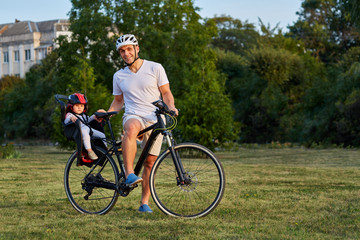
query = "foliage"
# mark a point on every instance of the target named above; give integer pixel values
(230, 81)
(234, 35)
(26, 110)
(325, 28)
(6, 86)
(267, 84)
(346, 122)
(169, 32)
(8, 82)
(91, 25)
(301, 86)
(207, 117)
(274, 65)
(353, 9)
(8, 151)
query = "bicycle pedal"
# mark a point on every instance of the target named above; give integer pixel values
(132, 186)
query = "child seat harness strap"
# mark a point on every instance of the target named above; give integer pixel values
(82, 117)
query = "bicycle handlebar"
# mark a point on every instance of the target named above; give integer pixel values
(163, 107)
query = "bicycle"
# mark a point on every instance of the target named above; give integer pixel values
(187, 180)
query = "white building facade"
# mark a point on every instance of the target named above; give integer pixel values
(25, 43)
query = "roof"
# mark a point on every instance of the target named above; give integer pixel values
(47, 26)
(23, 27)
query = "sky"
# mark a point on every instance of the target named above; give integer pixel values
(271, 12)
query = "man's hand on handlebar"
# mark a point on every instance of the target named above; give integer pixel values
(167, 109)
(174, 111)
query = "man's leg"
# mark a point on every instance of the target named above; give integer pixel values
(131, 129)
(148, 164)
(150, 160)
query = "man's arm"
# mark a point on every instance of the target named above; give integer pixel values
(117, 103)
(168, 98)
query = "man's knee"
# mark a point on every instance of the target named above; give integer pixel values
(131, 128)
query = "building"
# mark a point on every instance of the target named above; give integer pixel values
(25, 43)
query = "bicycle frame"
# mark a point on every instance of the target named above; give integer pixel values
(157, 128)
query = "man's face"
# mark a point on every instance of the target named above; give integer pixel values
(127, 53)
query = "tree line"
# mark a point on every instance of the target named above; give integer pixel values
(231, 81)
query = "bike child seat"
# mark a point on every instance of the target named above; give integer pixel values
(72, 131)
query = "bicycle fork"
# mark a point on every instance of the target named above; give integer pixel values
(183, 178)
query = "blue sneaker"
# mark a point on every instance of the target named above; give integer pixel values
(145, 209)
(132, 179)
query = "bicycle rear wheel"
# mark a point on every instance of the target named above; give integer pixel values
(193, 199)
(86, 192)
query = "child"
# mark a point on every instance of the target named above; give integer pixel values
(76, 109)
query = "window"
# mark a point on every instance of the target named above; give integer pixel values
(6, 57)
(17, 56)
(27, 55)
(42, 53)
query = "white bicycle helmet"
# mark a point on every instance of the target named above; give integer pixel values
(127, 39)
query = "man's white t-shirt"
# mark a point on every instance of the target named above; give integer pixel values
(140, 89)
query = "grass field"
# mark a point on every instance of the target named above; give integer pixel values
(288, 193)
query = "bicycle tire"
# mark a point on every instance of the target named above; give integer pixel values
(101, 200)
(193, 200)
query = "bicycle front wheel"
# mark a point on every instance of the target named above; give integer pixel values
(89, 188)
(203, 190)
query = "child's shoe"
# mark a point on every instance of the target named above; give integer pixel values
(92, 155)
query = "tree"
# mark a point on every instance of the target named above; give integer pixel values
(353, 8)
(26, 107)
(169, 32)
(92, 28)
(325, 28)
(234, 35)
(267, 82)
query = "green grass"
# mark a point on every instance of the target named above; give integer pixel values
(288, 193)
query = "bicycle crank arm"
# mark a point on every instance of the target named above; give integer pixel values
(125, 189)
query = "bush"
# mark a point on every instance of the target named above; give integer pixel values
(8, 151)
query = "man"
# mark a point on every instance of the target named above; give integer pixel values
(139, 84)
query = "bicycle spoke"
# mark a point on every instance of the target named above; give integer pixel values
(200, 194)
(85, 197)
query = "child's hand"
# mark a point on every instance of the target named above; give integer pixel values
(73, 119)
(99, 119)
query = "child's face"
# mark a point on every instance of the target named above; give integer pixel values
(78, 108)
